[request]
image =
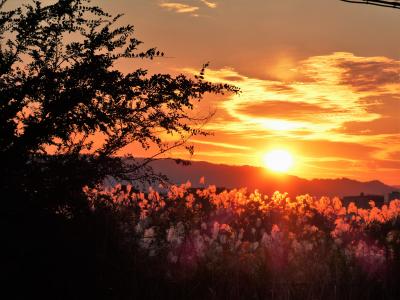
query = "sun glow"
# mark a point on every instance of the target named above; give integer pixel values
(278, 160)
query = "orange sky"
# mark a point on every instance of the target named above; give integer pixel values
(318, 78)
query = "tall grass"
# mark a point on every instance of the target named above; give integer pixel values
(185, 243)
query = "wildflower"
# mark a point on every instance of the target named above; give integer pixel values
(370, 257)
(212, 189)
(188, 184)
(341, 228)
(254, 246)
(241, 232)
(308, 246)
(139, 228)
(237, 244)
(275, 231)
(226, 228)
(296, 246)
(203, 226)
(189, 201)
(337, 204)
(266, 240)
(170, 234)
(215, 230)
(352, 208)
(338, 241)
(85, 189)
(201, 181)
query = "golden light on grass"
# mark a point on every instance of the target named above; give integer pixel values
(278, 160)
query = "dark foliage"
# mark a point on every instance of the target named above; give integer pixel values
(65, 112)
(60, 93)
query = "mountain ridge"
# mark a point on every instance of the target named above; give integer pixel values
(251, 177)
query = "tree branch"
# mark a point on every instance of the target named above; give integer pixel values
(391, 4)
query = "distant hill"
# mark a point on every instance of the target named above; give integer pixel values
(227, 176)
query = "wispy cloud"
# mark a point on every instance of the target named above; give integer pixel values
(338, 105)
(323, 103)
(179, 7)
(209, 3)
(185, 8)
(218, 144)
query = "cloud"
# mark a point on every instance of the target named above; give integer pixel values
(384, 125)
(179, 7)
(371, 74)
(301, 111)
(393, 155)
(338, 106)
(209, 3)
(387, 106)
(220, 145)
(324, 104)
(184, 8)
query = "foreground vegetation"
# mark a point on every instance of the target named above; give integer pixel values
(205, 244)
(180, 243)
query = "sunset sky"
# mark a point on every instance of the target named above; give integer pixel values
(318, 78)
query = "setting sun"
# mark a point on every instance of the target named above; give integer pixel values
(278, 160)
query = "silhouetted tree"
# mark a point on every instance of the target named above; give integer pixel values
(388, 3)
(66, 110)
